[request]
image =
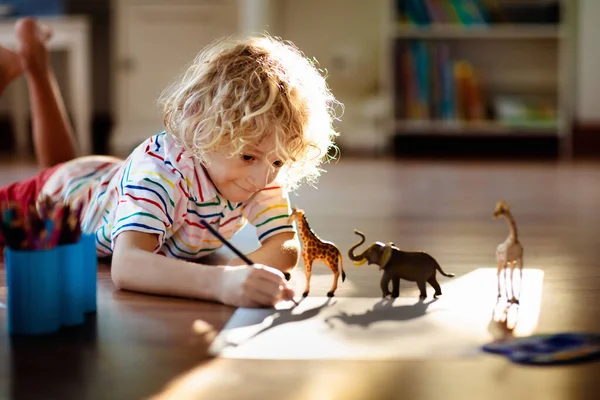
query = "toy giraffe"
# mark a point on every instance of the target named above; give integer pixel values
(316, 249)
(510, 252)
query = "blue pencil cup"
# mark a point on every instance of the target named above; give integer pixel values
(72, 289)
(33, 281)
(90, 269)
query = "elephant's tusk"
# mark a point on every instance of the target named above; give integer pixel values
(364, 260)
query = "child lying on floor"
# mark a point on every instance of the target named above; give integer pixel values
(250, 120)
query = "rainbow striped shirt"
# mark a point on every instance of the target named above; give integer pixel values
(161, 189)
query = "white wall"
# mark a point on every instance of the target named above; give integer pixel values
(257, 16)
(588, 63)
(345, 36)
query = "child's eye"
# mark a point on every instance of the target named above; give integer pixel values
(278, 164)
(247, 157)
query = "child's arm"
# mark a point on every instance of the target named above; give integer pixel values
(279, 251)
(135, 267)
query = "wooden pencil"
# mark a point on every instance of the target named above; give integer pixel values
(232, 247)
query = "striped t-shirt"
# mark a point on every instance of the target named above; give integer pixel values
(162, 189)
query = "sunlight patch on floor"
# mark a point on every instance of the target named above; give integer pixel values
(455, 325)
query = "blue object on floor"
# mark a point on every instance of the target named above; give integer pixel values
(90, 268)
(543, 349)
(33, 281)
(51, 288)
(72, 283)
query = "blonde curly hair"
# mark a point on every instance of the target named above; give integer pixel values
(239, 91)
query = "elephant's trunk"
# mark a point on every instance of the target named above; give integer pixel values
(360, 257)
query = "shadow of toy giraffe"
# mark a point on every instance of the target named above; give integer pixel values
(504, 320)
(286, 316)
(383, 310)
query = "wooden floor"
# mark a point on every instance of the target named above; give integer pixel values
(443, 208)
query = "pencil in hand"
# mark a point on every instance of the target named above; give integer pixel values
(232, 247)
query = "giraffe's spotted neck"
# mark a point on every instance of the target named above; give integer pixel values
(305, 229)
(512, 227)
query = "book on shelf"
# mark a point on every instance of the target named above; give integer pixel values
(426, 12)
(431, 85)
(475, 12)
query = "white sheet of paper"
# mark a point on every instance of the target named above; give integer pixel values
(454, 325)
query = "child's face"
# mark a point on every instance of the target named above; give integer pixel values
(239, 177)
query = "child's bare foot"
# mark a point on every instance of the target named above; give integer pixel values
(10, 67)
(31, 39)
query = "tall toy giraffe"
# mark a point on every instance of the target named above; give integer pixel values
(316, 249)
(509, 254)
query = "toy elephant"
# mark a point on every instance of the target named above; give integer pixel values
(396, 264)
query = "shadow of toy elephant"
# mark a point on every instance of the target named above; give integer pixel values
(384, 310)
(414, 266)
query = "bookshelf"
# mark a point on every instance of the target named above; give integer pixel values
(478, 32)
(480, 69)
(417, 127)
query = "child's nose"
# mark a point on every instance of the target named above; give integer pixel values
(260, 177)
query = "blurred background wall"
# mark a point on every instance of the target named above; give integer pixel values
(588, 61)
(138, 46)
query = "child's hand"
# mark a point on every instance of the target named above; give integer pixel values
(254, 286)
